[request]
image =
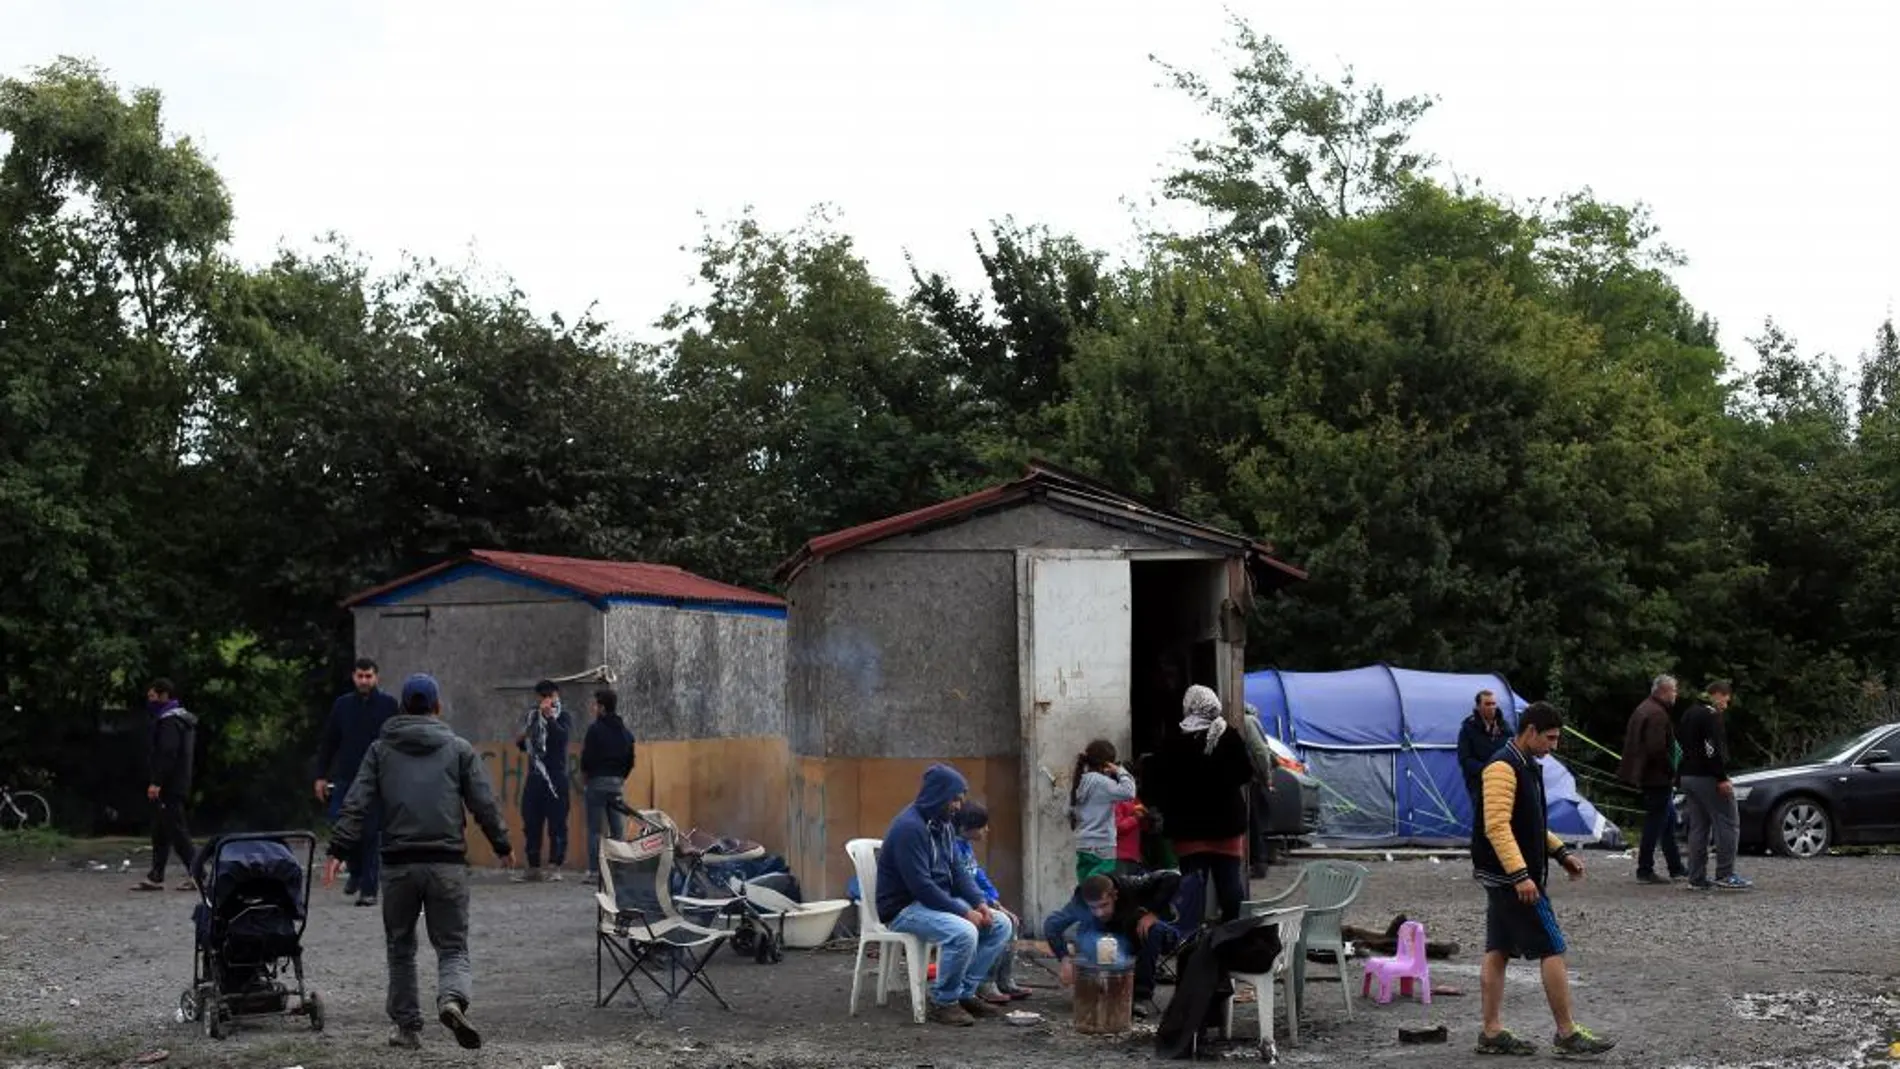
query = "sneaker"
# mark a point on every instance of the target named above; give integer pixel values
(989, 993)
(1651, 878)
(1505, 1043)
(1016, 994)
(366, 900)
(1732, 882)
(149, 884)
(405, 1038)
(455, 1018)
(950, 1013)
(1698, 885)
(553, 876)
(1581, 1041)
(978, 1008)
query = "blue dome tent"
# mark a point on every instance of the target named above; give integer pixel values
(1383, 743)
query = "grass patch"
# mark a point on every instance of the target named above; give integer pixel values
(33, 844)
(32, 1038)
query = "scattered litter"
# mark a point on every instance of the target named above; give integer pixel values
(1388, 855)
(1436, 861)
(73, 1002)
(96, 866)
(178, 1015)
(556, 1065)
(1022, 1018)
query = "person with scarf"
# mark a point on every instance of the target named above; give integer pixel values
(543, 738)
(174, 738)
(1207, 768)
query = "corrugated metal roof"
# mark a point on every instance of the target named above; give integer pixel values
(592, 579)
(1075, 492)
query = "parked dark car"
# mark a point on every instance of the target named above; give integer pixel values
(1844, 792)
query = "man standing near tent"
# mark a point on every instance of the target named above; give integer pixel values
(1710, 796)
(1511, 852)
(1649, 765)
(1478, 741)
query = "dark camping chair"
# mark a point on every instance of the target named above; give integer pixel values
(639, 927)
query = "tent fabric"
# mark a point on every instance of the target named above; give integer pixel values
(1383, 743)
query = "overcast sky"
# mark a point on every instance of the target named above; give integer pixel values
(576, 145)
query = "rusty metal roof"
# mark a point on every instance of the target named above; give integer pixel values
(595, 580)
(1056, 487)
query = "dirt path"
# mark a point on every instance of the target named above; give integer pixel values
(1792, 974)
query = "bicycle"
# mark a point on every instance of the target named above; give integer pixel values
(20, 810)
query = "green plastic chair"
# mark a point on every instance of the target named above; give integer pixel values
(1330, 887)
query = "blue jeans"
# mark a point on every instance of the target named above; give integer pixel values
(968, 953)
(367, 866)
(600, 795)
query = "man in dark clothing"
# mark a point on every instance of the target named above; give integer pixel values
(1511, 852)
(1135, 909)
(423, 776)
(356, 719)
(543, 738)
(1479, 738)
(168, 787)
(1708, 793)
(923, 890)
(606, 762)
(1649, 765)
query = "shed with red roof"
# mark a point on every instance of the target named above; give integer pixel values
(699, 666)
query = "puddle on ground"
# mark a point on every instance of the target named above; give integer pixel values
(1858, 1028)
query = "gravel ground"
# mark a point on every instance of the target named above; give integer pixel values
(1795, 973)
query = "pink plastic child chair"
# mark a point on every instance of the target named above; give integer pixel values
(1407, 965)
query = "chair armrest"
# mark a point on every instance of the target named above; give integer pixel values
(1261, 905)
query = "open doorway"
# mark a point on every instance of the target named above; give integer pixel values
(1174, 639)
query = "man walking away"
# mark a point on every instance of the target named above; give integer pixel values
(423, 776)
(1478, 741)
(1510, 855)
(356, 719)
(543, 738)
(606, 762)
(923, 891)
(1649, 765)
(174, 739)
(1707, 791)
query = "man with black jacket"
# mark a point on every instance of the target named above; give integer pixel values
(1709, 796)
(606, 762)
(168, 787)
(1478, 741)
(423, 776)
(543, 737)
(1511, 852)
(356, 719)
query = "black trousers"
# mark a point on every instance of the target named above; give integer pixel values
(169, 835)
(1224, 872)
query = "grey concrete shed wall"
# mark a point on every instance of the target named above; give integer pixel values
(485, 653)
(907, 648)
(688, 674)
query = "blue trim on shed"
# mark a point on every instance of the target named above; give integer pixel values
(478, 570)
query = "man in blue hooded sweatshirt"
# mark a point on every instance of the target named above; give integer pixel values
(923, 891)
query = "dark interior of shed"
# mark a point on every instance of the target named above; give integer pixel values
(1175, 614)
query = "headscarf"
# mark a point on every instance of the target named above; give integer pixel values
(1201, 711)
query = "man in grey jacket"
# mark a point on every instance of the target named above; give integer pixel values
(422, 775)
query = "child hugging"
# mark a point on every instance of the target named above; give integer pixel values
(1098, 785)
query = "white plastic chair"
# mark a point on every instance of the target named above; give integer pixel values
(1289, 920)
(917, 955)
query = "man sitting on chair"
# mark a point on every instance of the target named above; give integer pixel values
(922, 891)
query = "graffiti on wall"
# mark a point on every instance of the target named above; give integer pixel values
(507, 768)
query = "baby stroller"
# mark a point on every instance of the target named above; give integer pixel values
(253, 895)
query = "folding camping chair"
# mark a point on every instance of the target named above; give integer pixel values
(639, 927)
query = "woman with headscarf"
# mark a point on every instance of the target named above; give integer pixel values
(1207, 767)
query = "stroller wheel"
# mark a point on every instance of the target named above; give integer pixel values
(768, 952)
(188, 1004)
(313, 1008)
(745, 940)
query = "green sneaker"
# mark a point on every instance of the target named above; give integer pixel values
(1581, 1042)
(1505, 1043)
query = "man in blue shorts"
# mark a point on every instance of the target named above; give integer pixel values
(1511, 852)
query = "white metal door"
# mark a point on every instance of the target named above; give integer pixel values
(1073, 630)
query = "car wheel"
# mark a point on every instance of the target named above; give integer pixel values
(1800, 828)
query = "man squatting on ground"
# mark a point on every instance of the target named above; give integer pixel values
(1510, 855)
(422, 775)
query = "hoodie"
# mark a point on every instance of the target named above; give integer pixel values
(174, 738)
(918, 861)
(423, 775)
(966, 859)
(608, 748)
